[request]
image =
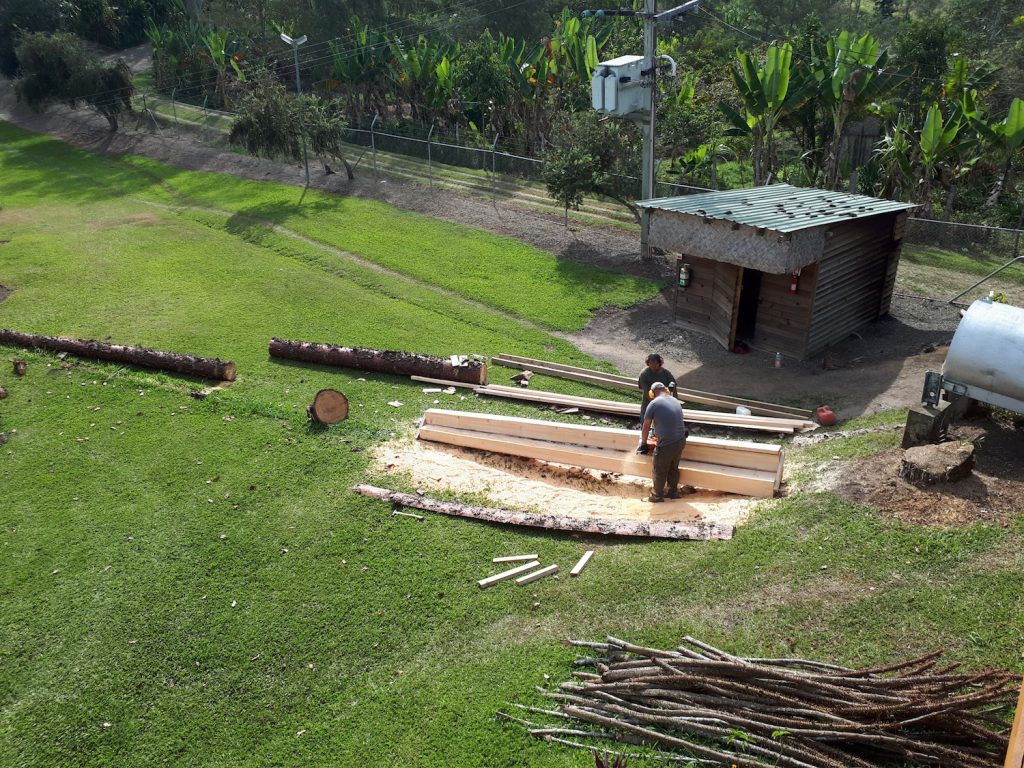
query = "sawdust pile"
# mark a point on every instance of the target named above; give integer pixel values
(519, 483)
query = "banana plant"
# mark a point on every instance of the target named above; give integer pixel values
(422, 74)
(361, 70)
(852, 78)
(1005, 138)
(946, 151)
(768, 92)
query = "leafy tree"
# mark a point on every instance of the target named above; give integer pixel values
(58, 69)
(592, 156)
(20, 16)
(271, 123)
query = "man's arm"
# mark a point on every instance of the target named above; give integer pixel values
(645, 432)
(671, 384)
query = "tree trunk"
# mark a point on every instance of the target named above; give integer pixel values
(661, 529)
(191, 365)
(381, 361)
(328, 407)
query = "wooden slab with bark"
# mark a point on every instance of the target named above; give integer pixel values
(379, 361)
(190, 365)
(660, 529)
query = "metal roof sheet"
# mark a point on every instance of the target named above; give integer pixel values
(778, 207)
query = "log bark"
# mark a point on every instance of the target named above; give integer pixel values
(661, 529)
(328, 407)
(942, 463)
(380, 361)
(191, 365)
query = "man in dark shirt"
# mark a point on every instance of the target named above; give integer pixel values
(665, 414)
(655, 371)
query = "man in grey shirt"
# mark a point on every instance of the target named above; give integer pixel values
(665, 414)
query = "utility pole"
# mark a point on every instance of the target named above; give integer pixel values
(647, 186)
(645, 117)
(295, 43)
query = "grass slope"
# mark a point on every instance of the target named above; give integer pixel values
(192, 583)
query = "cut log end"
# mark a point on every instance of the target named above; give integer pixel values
(328, 407)
(3, 393)
(942, 463)
(19, 367)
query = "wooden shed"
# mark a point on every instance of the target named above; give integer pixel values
(782, 268)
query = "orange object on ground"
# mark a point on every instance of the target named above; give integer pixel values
(825, 416)
(1015, 752)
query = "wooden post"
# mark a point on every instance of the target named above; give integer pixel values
(1015, 752)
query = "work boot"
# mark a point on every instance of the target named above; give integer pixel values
(655, 499)
(673, 495)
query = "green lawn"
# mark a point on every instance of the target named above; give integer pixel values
(191, 582)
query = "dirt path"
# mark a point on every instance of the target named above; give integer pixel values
(882, 367)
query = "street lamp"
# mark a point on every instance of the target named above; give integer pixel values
(295, 43)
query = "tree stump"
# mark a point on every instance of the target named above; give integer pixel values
(19, 367)
(328, 407)
(942, 463)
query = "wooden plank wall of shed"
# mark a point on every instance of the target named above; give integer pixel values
(693, 304)
(784, 317)
(855, 279)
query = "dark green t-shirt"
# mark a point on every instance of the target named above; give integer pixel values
(648, 377)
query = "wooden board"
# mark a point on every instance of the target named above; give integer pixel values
(581, 563)
(714, 477)
(623, 382)
(444, 382)
(510, 573)
(741, 454)
(1015, 752)
(725, 304)
(772, 424)
(538, 574)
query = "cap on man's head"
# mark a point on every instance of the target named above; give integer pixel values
(657, 385)
(654, 357)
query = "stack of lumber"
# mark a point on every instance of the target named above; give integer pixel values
(706, 704)
(729, 466)
(774, 424)
(615, 381)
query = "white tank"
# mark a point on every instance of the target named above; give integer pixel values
(987, 351)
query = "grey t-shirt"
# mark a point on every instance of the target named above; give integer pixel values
(667, 413)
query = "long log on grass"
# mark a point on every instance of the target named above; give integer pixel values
(659, 529)
(380, 361)
(191, 365)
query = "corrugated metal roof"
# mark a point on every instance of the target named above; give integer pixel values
(778, 207)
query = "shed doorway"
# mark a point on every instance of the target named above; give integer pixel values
(750, 296)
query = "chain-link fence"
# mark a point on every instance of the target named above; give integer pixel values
(941, 259)
(944, 260)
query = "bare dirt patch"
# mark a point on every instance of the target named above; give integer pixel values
(993, 493)
(5, 292)
(532, 485)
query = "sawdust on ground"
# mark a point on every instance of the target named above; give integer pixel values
(993, 493)
(519, 483)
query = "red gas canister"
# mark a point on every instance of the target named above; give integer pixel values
(825, 416)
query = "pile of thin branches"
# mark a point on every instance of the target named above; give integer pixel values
(700, 704)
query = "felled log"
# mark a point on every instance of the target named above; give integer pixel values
(659, 529)
(380, 361)
(191, 365)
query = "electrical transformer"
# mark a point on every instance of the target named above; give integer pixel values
(617, 87)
